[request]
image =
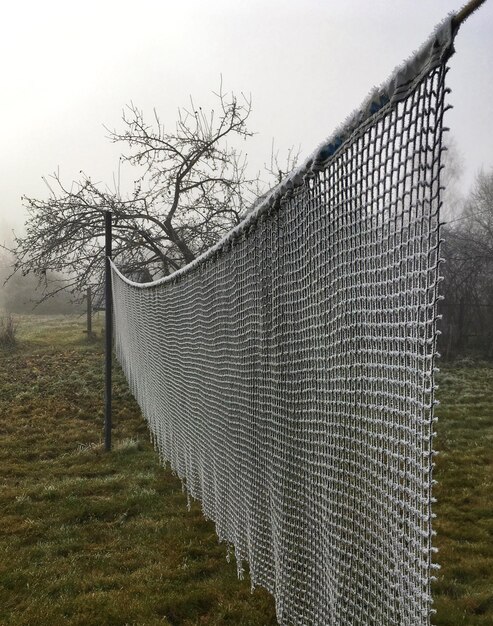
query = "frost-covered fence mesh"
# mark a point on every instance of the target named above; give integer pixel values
(287, 376)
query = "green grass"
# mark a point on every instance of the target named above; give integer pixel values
(464, 524)
(89, 538)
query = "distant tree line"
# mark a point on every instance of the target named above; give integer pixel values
(467, 288)
(24, 294)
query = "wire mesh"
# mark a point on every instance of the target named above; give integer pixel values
(287, 376)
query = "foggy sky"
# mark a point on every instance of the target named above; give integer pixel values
(70, 67)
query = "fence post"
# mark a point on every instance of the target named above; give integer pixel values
(89, 314)
(108, 333)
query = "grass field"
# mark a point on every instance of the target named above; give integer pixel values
(88, 538)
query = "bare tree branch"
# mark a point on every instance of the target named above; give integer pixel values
(190, 188)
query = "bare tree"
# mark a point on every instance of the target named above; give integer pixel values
(277, 169)
(478, 213)
(452, 197)
(191, 188)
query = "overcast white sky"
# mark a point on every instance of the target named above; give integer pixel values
(70, 67)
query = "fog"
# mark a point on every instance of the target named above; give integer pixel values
(70, 68)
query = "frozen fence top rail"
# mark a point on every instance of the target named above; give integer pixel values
(287, 375)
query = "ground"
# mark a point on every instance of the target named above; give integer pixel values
(89, 538)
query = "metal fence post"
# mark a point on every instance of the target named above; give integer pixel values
(89, 313)
(108, 295)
